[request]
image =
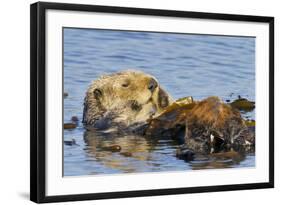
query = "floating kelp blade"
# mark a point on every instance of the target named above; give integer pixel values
(184, 101)
(69, 126)
(172, 120)
(250, 123)
(112, 148)
(70, 142)
(126, 154)
(243, 104)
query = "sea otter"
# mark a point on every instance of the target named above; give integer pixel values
(123, 100)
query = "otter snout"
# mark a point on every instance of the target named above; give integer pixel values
(152, 85)
(136, 106)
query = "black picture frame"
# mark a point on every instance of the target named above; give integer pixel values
(38, 100)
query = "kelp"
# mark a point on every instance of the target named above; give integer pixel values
(70, 142)
(69, 125)
(172, 119)
(250, 123)
(172, 123)
(243, 104)
(112, 148)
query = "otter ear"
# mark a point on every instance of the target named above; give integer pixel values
(97, 93)
(163, 98)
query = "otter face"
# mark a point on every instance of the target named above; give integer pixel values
(134, 87)
(129, 97)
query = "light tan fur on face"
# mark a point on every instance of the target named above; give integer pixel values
(115, 91)
(116, 94)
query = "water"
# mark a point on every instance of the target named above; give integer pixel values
(185, 65)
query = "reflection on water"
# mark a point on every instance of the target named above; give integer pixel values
(186, 65)
(142, 154)
(135, 155)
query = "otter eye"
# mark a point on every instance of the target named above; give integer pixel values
(126, 84)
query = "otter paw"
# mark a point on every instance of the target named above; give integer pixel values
(185, 154)
(163, 98)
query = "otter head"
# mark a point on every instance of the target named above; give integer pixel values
(126, 98)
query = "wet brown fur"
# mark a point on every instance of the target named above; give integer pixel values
(214, 113)
(211, 118)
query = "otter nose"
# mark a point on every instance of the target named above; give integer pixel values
(152, 84)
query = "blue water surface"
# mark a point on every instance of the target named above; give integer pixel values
(184, 64)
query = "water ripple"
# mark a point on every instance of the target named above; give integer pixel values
(196, 65)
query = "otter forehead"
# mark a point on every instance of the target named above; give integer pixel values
(127, 74)
(137, 79)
